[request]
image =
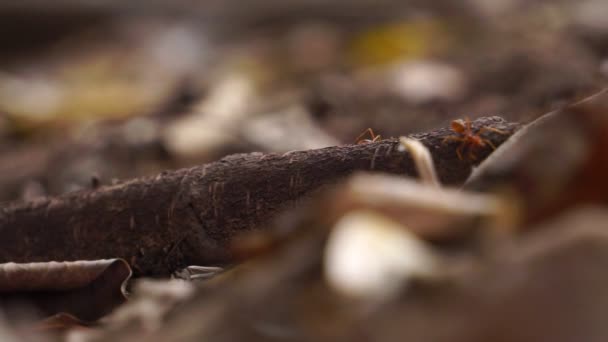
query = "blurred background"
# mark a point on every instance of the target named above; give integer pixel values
(92, 92)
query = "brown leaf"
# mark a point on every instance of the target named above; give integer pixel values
(85, 289)
(557, 162)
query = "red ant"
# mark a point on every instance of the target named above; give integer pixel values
(468, 139)
(373, 137)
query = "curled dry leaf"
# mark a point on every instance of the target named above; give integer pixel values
(429, 212)
(556, 162)
(86, 290)
(370, 256)
(289, 291)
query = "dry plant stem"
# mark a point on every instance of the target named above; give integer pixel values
(422, 159)
(189, 217)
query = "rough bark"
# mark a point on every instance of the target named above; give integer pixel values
(189, 216)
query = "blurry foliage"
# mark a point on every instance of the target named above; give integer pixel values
(397, 42)
(395, 67)
(94, 89)
(130, 70)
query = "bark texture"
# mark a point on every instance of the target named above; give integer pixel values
(190, 216)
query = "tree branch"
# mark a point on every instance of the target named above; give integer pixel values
(189, 216)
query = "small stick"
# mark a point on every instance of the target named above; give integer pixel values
(190, 216)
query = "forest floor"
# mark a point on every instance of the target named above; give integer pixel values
(304, 171)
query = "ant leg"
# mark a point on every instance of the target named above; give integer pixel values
(469, 124)
(369, 130)
(372, 135)
(489, 143)
(472, 155)
(452, 138)
(459, 151)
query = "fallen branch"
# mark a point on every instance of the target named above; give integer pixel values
(189, 216)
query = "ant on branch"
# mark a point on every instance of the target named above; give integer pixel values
(470, 140)
(371, 134)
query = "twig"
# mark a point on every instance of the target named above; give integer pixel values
(143, 220)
